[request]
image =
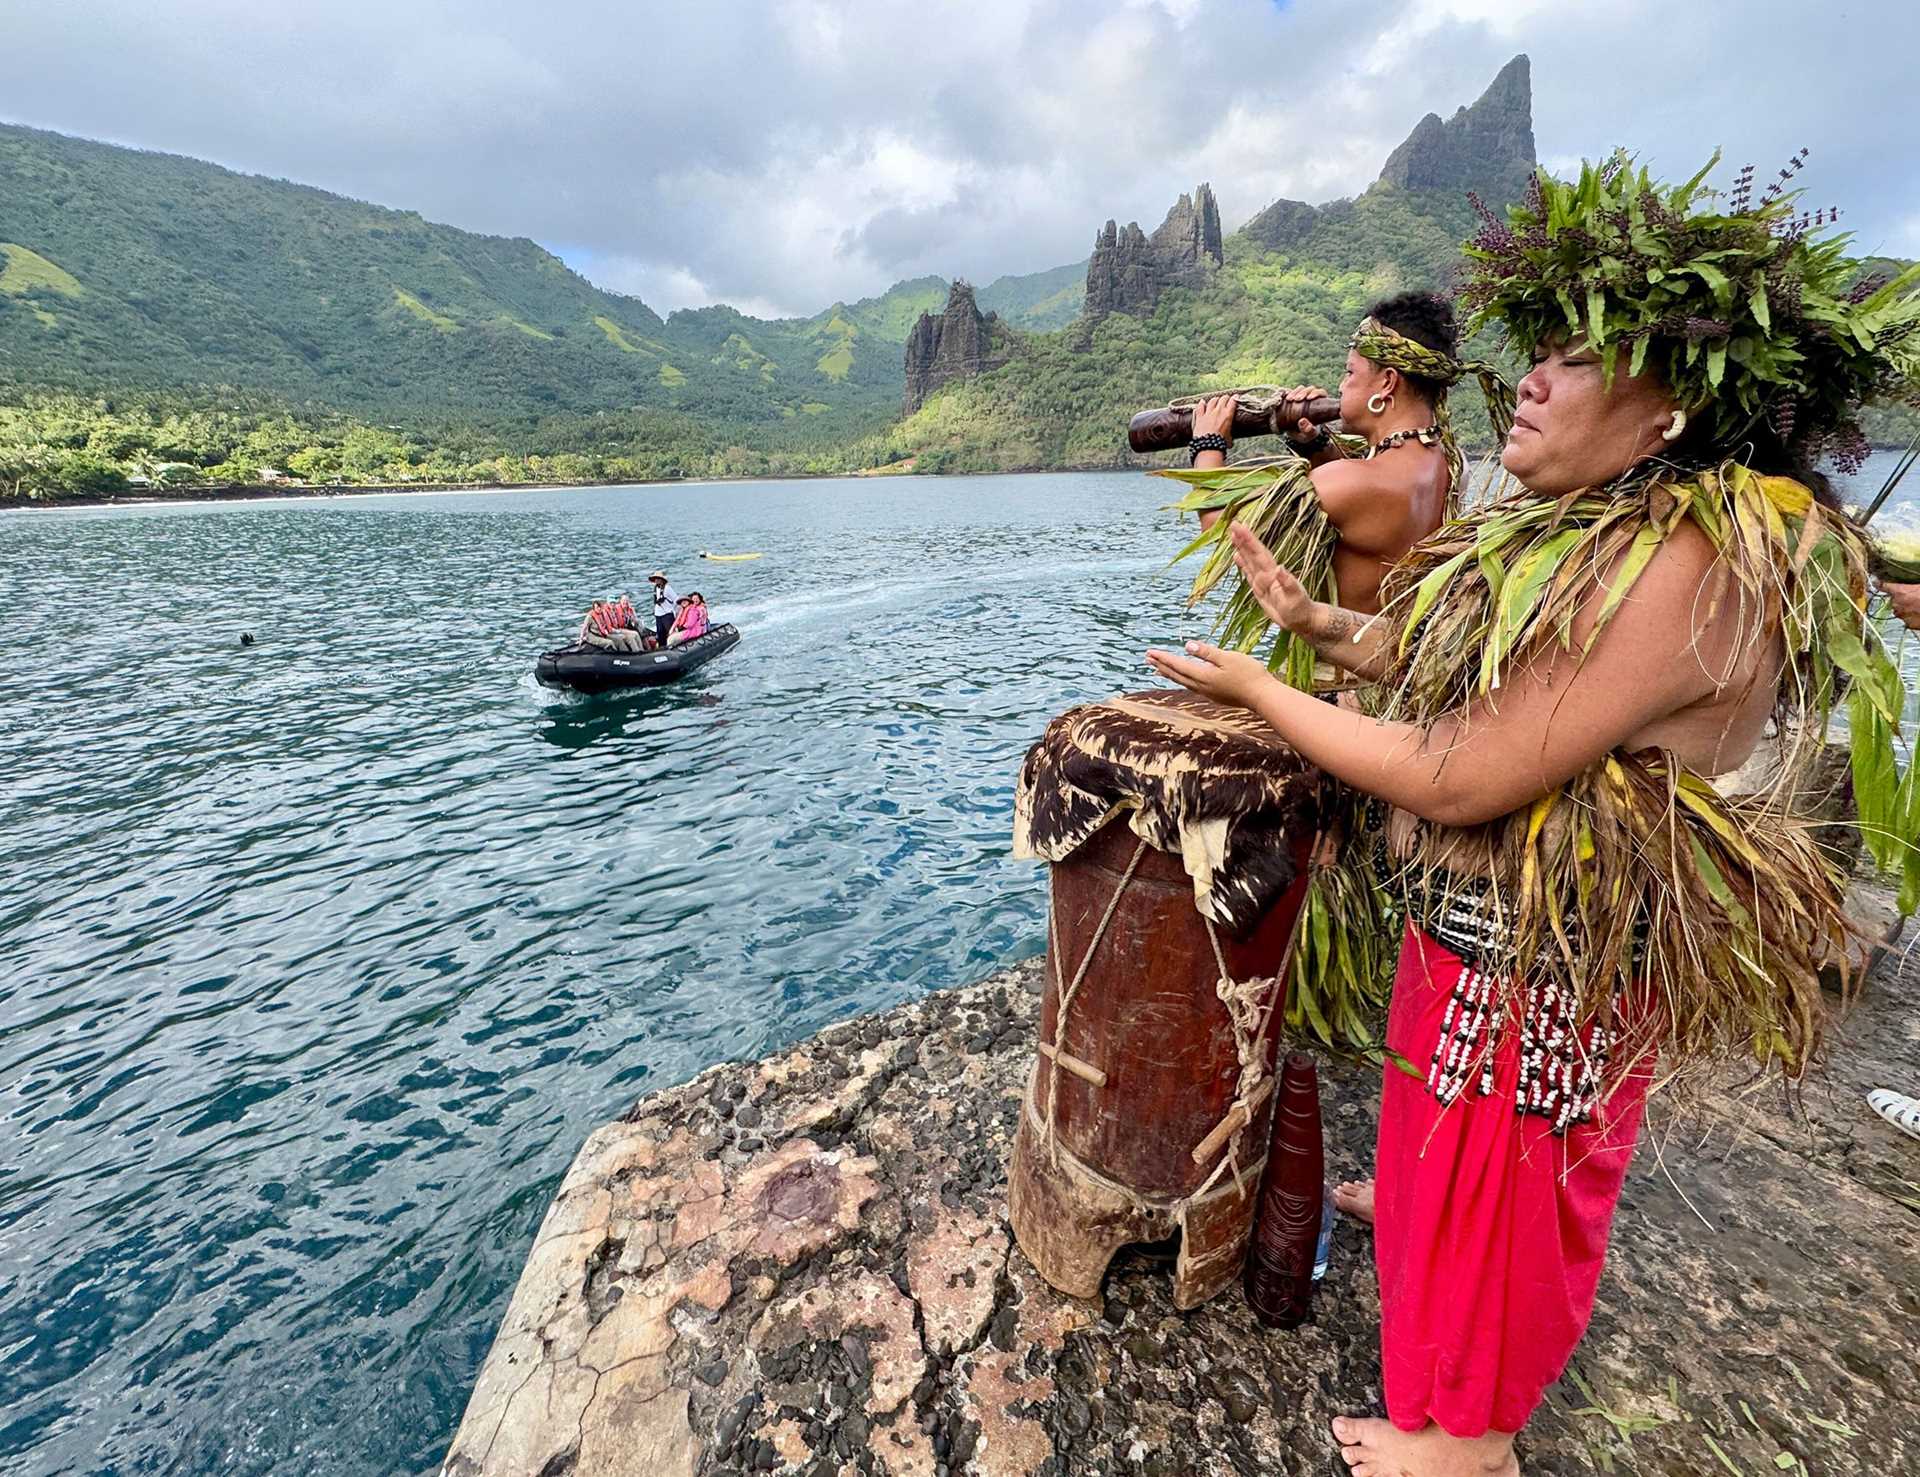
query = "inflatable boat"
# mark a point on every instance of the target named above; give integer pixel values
(588, 669)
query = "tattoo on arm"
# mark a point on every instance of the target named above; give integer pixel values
(1349, 639)
(1338, 625)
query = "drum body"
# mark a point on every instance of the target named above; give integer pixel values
(1121, 1133)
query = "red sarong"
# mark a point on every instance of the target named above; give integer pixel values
(1489, 1228)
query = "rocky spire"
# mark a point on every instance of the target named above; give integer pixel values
(960, 342)
(1187, 245)
(1487, 147)
(1121, 273)
(1129, 269)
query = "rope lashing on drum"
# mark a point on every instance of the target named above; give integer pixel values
(1256, 1082)
(1054, 1050)
(1237, 996)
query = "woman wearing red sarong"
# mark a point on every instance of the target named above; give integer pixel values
(1560, 676)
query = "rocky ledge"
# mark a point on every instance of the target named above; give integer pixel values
(803, 1265)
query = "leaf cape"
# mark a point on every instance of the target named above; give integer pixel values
(1688, 922)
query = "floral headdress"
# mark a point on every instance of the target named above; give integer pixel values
(1742, 311)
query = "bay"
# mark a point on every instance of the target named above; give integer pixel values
(322, 955)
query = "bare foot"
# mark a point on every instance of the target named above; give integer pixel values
(1354, 1198)
(1376, 1448)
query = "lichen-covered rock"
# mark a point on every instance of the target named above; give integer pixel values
(803, 1266)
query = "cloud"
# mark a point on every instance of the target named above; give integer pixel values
(786, 153)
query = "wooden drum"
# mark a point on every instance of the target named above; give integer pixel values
(1179, 834)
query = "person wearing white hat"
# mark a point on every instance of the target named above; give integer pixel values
(665, 605)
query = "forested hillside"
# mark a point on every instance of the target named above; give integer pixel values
(138, 271)
(1038, 302)
(167, 323)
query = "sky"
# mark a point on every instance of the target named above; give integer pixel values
(780, 155)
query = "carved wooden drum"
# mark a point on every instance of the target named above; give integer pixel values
(1179, 833)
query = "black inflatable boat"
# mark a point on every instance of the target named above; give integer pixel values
(587, 669)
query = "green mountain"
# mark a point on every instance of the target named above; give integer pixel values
(1038, 302)
(1262, 317)
(1274, 303)
(148, 272)
(169, 322)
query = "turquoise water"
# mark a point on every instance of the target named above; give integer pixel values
(323, 955)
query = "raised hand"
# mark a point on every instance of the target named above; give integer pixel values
(1293, 403)
(1281, 596)
(1214, 416)
(1906, 604)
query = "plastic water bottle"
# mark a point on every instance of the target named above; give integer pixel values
(1323, 1251)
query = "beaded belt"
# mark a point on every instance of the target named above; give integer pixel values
(1562, 1061)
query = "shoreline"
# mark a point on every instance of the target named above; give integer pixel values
(269, 492)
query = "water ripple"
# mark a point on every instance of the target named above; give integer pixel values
(324, 954)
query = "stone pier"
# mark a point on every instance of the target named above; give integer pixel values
(802, 1265)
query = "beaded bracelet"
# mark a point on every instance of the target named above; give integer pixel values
(1207, 443)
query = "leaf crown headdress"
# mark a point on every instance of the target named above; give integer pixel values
(1746, 315)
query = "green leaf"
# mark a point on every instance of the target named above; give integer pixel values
(1492, 567)
(1872, 671)
(1712, 276)
(1717, 884)
(1638, 554)
(1429, 591)
(1404, 1065)
(1716, 362)
(1725, 1460)
(1522, 588)
(1596, 315)
(1757, 304)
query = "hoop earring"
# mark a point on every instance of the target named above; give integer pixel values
(1378, 403)
(1674, 431)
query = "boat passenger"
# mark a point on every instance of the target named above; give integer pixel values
(664, 603)
(614, 625)
(691, 623)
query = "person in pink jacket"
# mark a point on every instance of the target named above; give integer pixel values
(691, 623)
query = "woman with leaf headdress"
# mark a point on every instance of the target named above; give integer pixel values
(1341, 511)
(1563, 676)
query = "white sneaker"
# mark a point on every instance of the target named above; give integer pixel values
(1902, 1112)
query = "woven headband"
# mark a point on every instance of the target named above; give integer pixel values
(1394, 350)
